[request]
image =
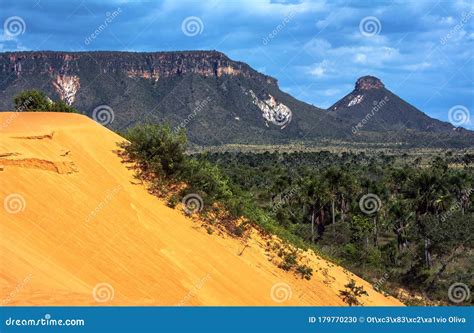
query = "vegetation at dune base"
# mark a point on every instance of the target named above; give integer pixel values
(160, 155)
(351, 295)
(389, 219)
(35, 100)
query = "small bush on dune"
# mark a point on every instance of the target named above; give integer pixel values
(305, 271)
(35, 100)
(290, 260)
(60, 106)
(157, 149)
(352, 293)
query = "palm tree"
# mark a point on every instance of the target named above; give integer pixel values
(429, 192)
(316, 197)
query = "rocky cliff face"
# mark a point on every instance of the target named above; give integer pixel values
(242, 105)
(164, 86)
(151, 66)
(67, 87)
(64, 70)
(368, 82)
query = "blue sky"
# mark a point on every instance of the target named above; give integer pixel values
(422, 50)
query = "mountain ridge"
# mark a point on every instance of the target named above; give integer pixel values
(243, 106)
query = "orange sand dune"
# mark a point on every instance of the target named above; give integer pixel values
(89, 234)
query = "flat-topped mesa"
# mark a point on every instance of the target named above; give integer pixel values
(368, 82)
(147, 65)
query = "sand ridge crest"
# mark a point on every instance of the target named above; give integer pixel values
(138, 248)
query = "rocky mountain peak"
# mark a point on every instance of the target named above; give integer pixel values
(368, 82)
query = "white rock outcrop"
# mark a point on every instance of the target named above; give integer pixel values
(272, 111)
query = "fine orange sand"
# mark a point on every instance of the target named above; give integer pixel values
(78, 229)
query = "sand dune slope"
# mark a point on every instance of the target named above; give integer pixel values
(77, 229)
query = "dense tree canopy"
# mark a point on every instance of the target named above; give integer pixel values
(380, 216)
(35, 100)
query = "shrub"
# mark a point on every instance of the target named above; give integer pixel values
(305, 271)
(35, 100)
(204, 177)
(173, 200)
(239, 230)
(157, 149)
(60, 106)
(289, 261)
(352, 293)
(31, 100)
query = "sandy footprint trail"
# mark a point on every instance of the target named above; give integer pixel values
(77, 229)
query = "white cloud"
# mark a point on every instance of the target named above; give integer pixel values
(363, 55)
(417, 67)
(317, 46)
(331, 92)
(320, 69)
(258, 8)
(448, 20)
(360, 58)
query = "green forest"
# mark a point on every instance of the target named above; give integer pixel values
(395, 221)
